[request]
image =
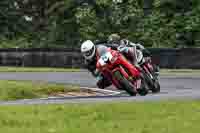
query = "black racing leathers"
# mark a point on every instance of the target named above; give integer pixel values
(103, 82)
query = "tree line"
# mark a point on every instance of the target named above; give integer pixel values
(66, 23)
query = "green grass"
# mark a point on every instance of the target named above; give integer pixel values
(12, 90)
(53, 69)
(175, 72)
(180, 72)
(132, 117)
(37, 69)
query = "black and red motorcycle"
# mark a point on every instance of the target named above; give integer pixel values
(152, 74)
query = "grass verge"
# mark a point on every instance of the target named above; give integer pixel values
(148, 117)
(12, 90)
(43, 69)
(37, 69)
(180, 72)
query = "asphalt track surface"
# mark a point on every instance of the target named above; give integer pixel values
(172, 87)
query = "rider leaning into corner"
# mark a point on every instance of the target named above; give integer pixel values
(133, 52)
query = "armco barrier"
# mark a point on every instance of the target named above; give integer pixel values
(71, 58)
(41, 57)
(177, 58)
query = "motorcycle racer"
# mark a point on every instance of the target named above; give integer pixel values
(130, 49)
(90, 52)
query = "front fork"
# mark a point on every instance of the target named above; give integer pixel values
(135, 83)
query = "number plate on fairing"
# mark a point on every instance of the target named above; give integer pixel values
(104, 58)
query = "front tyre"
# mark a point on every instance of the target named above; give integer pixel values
(143, 91)
(125, 84)
(154, 84)
(156, 88)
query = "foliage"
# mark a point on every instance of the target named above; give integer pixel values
(66, 23)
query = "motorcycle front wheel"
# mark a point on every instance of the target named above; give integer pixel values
(125, 84)
(154, 84)
(156, 87)
(144, 87)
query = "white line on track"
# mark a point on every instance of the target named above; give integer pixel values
(104, 91)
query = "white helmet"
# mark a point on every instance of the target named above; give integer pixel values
(88, 49)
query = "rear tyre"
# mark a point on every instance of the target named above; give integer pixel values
(125, 84)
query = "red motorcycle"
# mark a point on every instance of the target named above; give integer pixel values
(113, 65)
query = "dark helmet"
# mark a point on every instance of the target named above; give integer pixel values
(114, 38)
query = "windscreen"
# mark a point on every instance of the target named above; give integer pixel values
(102, 50)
